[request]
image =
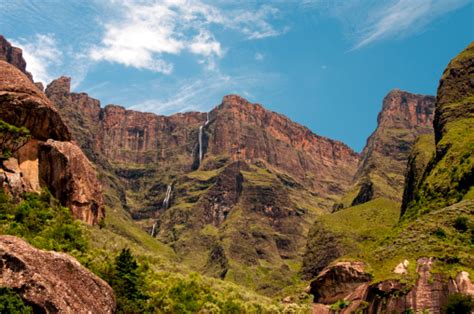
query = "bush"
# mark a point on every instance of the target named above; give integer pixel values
(42, 221)
(339, 305)
(461, 223)
(10, 302)
(459, 303)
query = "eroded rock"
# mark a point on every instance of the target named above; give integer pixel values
(65, 169)
(52, 282)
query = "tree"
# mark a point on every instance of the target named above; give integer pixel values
(12, 138)
(127, 283)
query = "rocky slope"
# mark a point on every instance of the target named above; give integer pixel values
(52, 282)
(31, 166)
(404, 116)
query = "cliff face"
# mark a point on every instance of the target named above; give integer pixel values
(238, 167)
(23, 105)
(403, 118)
(249, 132)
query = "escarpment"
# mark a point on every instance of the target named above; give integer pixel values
(28, 115)
(404, 117)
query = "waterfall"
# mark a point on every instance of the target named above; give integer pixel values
(152, 233)
(200, 137)
(166, 201)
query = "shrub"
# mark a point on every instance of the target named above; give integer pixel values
(461, 223)
(42, 221)
(339, 305)
(10, 302)
(459, 303)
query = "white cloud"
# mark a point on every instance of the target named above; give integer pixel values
(259, 56)
(41, 54)
(143, 34)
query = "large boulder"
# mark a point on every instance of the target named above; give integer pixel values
(23, 104)
(71, 178)
(52, 282)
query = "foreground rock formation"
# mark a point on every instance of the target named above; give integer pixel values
(48, 158)
(52, 282)
(348, 281)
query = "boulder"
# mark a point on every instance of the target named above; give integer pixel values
(71, 178)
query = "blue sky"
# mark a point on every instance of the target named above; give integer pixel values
(326, 64)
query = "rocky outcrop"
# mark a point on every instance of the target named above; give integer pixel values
(58, 164)
(337, 281)
(348, 281)
(403, 118)
(52, 282)
(23, 104)
(65, 169)
(14, 56)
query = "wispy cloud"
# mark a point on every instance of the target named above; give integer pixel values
(201, 94)
(143, 34)
(42, 54)
(402, 18)
(259, 56)
(369, 21)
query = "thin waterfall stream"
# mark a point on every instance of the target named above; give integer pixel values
(165, 205)
(200, 137)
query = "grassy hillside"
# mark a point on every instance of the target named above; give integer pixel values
(352, 232)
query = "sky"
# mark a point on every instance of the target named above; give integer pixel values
(326, 64)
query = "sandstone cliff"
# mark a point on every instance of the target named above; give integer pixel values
(68, 174)
(404, 116)
(52, 282)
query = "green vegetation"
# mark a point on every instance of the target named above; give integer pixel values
(352, 232)
(11, 138)
(339, 305)
(459, 304)
(42, 221)
(445, 234)
(11, 302)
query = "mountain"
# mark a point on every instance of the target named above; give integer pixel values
(229, 190)
(404, 117)
(420, 261)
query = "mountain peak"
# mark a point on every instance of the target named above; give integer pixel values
(13, 55)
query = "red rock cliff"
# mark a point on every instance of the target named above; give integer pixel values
(403, 118)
